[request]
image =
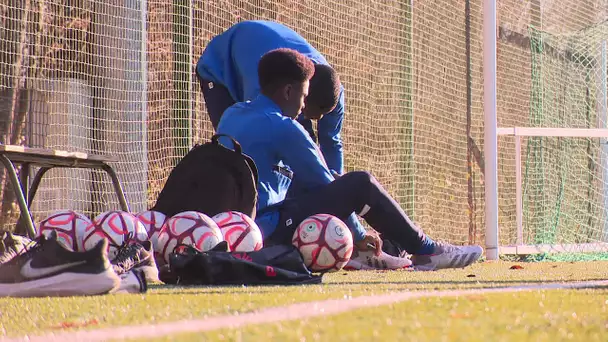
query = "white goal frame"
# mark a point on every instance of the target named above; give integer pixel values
(518, 133)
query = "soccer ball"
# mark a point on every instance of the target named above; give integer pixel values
(68, 224)
(240, 231)
(189, 228)
(325, 242)
(116, 226)
(153, 221)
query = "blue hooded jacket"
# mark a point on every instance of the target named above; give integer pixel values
(231, 59)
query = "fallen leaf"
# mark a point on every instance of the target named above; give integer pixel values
(67, 325)
(459, 315)
(475, 297)
(516, 267)
(471, 276)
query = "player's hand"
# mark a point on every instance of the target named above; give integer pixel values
(371, 241)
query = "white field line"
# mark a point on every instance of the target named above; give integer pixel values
(282, 313)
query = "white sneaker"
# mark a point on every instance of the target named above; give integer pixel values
(447, 256)
(133, 281)
(367, 260)
(136, 255)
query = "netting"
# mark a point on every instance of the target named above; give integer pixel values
(563, 192)
(561, 48)
(372, 56)
(116, 77)
(565, 178)
(73, 76)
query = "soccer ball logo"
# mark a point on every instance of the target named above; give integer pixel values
(325, 242)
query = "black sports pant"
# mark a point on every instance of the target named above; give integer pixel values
(217, 99)
(357, 192)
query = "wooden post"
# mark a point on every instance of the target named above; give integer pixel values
(468, 82)
(182, 76)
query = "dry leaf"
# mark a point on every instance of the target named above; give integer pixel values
(67, 325)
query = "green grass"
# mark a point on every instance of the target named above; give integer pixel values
(556, 315)
(167, 303)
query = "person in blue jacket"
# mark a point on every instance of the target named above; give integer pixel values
(280, 147)
(227, 72)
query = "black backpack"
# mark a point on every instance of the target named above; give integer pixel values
(274, 265)
(211, 179)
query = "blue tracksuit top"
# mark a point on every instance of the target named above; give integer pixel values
(231, 59)
(278, 145)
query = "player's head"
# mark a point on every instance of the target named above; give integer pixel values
(284, 76)
(323, 93)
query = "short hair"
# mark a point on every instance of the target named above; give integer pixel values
(324, 88)
(283, 66)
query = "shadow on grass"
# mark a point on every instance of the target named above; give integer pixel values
(218, 291)
(424, 285)
(475, 280)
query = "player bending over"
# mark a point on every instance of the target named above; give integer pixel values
(228, 73)
(268, 132)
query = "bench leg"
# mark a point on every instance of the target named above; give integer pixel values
(25, 212)
(35, 184)
(117, 187)
(24, 179)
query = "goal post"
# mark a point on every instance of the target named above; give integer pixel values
(575, 187)
(602, 109)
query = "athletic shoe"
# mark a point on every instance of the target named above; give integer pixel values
(367, 260)
(47, 268)
(447, 256)
(11, 246)
(139, 256)
(133, 281)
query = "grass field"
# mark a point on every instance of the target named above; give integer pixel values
(575, 315)
(535, 316)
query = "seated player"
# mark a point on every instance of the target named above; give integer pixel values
(268, 132)
(227, 71)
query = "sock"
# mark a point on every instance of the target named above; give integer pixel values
(427, 247)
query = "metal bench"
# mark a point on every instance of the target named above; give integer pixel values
(47, 159)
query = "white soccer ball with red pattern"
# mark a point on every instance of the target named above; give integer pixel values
(68, 224)
(188, 228)
(116, 226)
(153, 221)
(325, 242)
(240, 232)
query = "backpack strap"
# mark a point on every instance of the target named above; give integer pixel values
(235, 145)
(238, 149)
(228, 174)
